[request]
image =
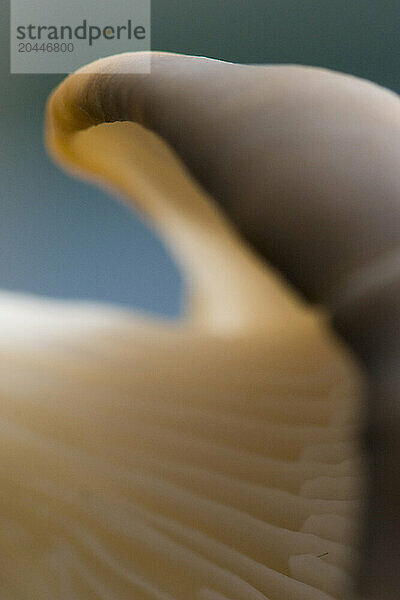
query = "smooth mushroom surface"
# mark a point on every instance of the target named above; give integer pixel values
(211, 457)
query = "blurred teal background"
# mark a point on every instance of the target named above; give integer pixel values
(62, 238)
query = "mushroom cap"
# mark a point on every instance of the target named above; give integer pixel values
(212, 457)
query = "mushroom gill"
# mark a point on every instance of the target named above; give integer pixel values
(214, 457)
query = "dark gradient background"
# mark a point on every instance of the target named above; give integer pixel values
(59, 237)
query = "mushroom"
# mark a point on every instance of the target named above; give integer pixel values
(212, 457)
